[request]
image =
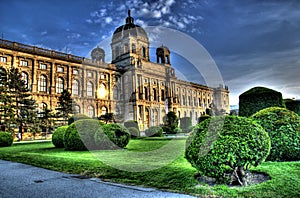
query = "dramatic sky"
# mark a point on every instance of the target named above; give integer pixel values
(253, 42)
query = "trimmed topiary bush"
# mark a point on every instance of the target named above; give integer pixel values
(283, 127)
(258, 98)
(203, 117)
(231, 146)
(58, 137)
(80, 135)
(154, 131)
(131, 123)
(171, 122)
(177, 130)
(6, 139)
(134, 132)
(185, 123)
(77, 117)
(118, 135)
(292, 105)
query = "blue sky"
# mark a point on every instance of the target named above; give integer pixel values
(254, 43)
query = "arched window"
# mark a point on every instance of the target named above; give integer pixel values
(41, 109)
(183, 100)
(90, 111)
(59, 85)
(144, 52)
(90, 89)
(75, 87)
(102, 91)
(162, 95)
(146, 93)
(103, 110)
(117, 51)
(42, 83)
(115, 93)
(76, 109)
(126, 48)
(154, 94)
(133, 50)
(25, 78)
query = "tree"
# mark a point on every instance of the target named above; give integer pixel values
(107, 117)
(47, 119)
(6, 110)
(171, 122)
(16, 100)
(65, 103)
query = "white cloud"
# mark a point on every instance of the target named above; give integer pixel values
(108, 20)
(44, 33)
(89, 21)
(74, 36)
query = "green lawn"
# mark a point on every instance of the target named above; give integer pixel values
(177, 176)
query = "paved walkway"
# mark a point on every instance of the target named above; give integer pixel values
(21, 180)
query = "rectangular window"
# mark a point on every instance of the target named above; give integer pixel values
(90, 74)
(103, 76)
(23, 63)
(43, 66)
(75, 72)
(60, 69)
(3, 59)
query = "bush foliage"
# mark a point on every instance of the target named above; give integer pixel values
(203, 117)
(6, 139)
(171, 122)
(283, 127)
(131, 123)
(258, 98)
(134, 132)
(185, 124)
(154, 131)
(222, 147)
(80, 135)
(58, 137)
(293, 105)
(118, 134)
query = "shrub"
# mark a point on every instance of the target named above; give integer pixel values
(134, 132)
(258, 98)
(177, 130)
(171, 122)
(292, 105)
(58, 137)
(117, 135)
(203, 117)
(131, 123)
(226, 147)
(77, 117)
(185, 123)
(283, 127)
(80, 135)
(154, 131)
(6, 139)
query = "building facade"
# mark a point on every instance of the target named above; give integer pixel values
(131, 86)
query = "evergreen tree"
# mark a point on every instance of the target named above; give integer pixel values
(65, 103)
(47, 119)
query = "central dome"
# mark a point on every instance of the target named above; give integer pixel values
(129, 29)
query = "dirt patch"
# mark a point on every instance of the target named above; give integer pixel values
(252, 179)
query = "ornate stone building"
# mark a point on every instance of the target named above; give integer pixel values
(131, 86)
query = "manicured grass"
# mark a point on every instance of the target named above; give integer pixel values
(176, 176)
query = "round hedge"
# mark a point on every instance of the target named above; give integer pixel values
(283, 127)
(58, 137)
(154, 131)
(258, 98)
(6, 139)
(113, 136)
(231, 143)
(134, 132)
(80, 135)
